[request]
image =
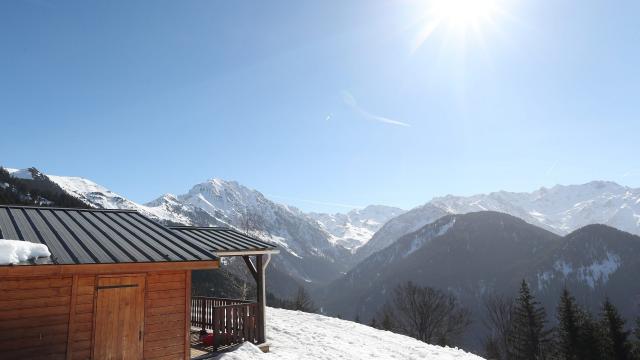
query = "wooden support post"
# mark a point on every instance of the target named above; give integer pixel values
(261, 266)
(252, 268)
(187, 330)
(261, 298)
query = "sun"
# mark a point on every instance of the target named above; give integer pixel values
(456, 17)
(463, 13)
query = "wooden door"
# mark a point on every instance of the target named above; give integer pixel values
(119, 317)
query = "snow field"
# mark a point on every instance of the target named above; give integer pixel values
(298, 335)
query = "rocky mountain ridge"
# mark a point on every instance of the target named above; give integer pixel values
(560, 209)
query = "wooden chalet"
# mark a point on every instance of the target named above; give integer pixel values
(118, 286)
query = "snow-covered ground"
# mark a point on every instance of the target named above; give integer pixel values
(297, 335)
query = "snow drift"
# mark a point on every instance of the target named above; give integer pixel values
(298, 335)
(17, 251)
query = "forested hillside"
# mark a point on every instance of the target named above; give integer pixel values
(31, 187)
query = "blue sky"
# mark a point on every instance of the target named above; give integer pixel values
(321, 104)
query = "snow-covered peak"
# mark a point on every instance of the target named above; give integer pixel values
(26, 174)
(93, 194)
(356, 227)
(560, 209)
(217, 194)
(374, 213)
(231, 202)
(217, 202)
(164, 199)
(165, 208)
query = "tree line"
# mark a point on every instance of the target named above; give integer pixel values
(518, 327)
(300, 301)
(519, 330)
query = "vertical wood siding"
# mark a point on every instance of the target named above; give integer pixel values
(81, 318)
(165, 331)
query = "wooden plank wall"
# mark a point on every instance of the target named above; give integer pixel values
(165, 334)
(34, 317)
(52, 317)
(81, 318)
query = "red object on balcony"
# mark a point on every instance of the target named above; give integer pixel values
(215, 339)
(207, 340)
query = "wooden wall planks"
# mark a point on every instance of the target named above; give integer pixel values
(165, 321)
(53, 316)
(34, 317)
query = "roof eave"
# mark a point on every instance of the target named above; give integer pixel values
(246, 252)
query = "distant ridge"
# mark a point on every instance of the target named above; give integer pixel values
(560, 209)
(476, 254)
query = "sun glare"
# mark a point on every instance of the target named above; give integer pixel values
(457, 16)
(463, 13)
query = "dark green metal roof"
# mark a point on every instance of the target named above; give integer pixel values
(81, 236)
(223, 239)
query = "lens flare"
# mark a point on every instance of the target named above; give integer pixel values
(463, 13)
(457, 17)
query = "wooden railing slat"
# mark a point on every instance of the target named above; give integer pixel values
(235, 318)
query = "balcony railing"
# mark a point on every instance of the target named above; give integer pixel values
(231, 321)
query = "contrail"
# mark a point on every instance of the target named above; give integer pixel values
(351, 101)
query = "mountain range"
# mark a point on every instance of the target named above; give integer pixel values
(307, 254)
(477, 254)
(355, 228)
(356, 256)
(560, 209)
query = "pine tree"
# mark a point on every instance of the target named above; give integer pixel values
(387, 318)
(569, 321)
(590, 339)
(616, 339)
(492, 349)
(636, 333)
(373, 323)
(302, 301)
(529, 338)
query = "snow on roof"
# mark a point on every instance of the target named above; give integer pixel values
(17, 251)
(298, 335)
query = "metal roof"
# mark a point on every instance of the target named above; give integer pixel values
(224, 240)
(89, 236)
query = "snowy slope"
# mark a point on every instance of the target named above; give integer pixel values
(560, 209)
(297, 335)
(95, 195)
(356, 227)
(92, 193)
(20, 173)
